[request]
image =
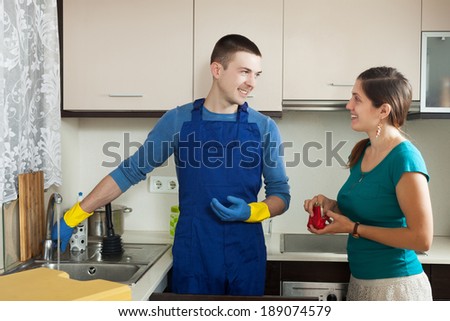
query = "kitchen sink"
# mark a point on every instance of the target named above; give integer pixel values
(312, 243)
(124, 273)
(127, 267)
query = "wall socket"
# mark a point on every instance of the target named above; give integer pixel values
(163, 184)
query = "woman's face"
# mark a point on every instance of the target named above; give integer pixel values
(364, 115)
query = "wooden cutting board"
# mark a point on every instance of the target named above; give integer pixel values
(31, 214)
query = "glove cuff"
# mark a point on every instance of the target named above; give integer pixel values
(259, 211)
(76, 215)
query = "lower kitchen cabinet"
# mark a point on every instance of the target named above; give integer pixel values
(279, 271)
(439, 275)
(339, 272)
(332, 272)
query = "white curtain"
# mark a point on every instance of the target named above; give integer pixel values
(30, 118)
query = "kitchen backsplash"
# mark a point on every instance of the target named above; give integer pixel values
(316, 144)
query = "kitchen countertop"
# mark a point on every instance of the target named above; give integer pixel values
(155, 279)
(438, 254)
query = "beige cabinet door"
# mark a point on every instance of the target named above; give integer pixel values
(259, 20)
(435, 15)
(127, 55)
(327, 44)
(435, 94)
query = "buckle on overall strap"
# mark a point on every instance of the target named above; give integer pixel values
(243, 107)
(198, 103)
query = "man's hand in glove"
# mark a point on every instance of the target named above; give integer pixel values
(71, 218)
(239, 210)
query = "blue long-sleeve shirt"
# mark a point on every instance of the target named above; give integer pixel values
(163, 140)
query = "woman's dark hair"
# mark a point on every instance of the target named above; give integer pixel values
(384, 85)
(228, 45)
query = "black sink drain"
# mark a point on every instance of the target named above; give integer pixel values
(92, 270)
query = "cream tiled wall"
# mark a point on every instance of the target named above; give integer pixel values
(86, 152)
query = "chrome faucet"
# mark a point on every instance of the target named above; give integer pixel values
(55, 198)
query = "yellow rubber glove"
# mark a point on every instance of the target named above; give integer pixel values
(71, 218)
(259, 211)
(76, 215)
(239, 210)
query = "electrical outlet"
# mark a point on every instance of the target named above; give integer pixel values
(163, 184)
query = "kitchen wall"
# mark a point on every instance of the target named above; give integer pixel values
(310, 137)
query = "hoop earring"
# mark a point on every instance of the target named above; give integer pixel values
(379, 126)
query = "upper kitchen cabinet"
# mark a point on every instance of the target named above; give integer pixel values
(327, 44)
(259, 20)
(435, 72)
(435, 15)
(121, 55)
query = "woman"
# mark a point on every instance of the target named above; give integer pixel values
(385, 204)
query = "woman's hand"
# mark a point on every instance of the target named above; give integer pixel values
(326, 203)
(338, 223)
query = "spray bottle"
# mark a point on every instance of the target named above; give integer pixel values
(79, 239)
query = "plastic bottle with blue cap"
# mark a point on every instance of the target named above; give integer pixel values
(78, 241)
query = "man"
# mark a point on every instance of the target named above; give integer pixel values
(222, 149)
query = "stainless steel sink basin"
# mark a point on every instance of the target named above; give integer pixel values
(126, 268)
(125, 273)
(312, 243)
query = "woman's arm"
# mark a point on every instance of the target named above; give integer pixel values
(414, 199)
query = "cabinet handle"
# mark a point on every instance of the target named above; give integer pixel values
(126, 95)
(317, 105)
(297, 288)
(339, 85)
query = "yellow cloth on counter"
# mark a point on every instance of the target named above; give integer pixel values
(43, 284)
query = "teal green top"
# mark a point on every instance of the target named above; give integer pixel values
(370, 198)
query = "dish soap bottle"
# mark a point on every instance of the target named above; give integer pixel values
(174, 213)
(78, 241)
